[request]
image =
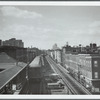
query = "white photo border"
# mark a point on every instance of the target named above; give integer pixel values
(49, 3)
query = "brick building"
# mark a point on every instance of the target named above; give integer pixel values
(85, 68)
(13, 42)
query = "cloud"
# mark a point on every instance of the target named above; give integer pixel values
(42, 31)
(18, 13)
(95, 24)
(86, 35)
(27, 32)
(94, 28)
(91, 30)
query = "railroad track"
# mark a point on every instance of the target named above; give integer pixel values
(69, 86)
(73, 86)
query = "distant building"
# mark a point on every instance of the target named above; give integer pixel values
(0, 42)
(67, 49)
(50, 53)
(55, 47)
(32, 53)
(13, 42)
(20, 54)
(64, 49)
(93, 45)
(55, 53)
(88, 49)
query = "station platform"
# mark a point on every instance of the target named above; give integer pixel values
(10, 69)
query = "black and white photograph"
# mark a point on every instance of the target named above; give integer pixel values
(49, 49)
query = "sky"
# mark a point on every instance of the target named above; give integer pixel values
(43, 26)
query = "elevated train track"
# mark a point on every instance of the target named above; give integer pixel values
(74, 87)
(37, 84)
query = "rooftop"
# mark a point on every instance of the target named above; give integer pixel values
(35, 62)
(6, 61)
(11, 68)
(9, 74)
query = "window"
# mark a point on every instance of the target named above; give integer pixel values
(96, 75)
(95, 63)
(97, 90)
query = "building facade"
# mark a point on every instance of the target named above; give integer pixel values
(13, 42)
(56, 55)
(85, 68)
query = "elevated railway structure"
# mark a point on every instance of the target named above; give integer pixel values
(13, 76)
(21, 78)
(34, 74)
(74, 87)
(37, 83)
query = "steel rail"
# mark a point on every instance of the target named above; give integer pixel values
(63, 70)
(71, 83)
(71, 88)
